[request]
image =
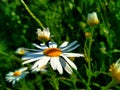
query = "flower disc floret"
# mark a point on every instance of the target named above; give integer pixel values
(52, 52)
(17, 73)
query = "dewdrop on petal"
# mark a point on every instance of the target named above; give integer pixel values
(115, 71)
(44, 35)
(92, 19)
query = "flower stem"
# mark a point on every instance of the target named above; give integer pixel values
(90, 44)
(112, 83)
(87, 51)
(89, 76)
(32, 15)
(10, 56)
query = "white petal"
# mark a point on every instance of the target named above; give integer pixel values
(52, 45)
(13, 82)
(23, 75)
(37, 50)
(30, 60)
(18, 78)
(10, 80)
(53, 62)
(33, 53)
(31, 56)
(38, 46)
(66, 66)
(25, 57)
(42, 62)
(43, 45)
(64, 44)
(69, 62)
(59, 67)
(23, 69)
(26, 72)
(36, 64)
(73, 55)
(72, 48)
(69, 46)
(10, 74)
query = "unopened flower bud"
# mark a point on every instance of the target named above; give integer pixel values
(92, 19)
(44, 35)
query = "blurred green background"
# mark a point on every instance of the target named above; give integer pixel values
(66, 20)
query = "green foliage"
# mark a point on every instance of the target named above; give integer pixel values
(66, 20)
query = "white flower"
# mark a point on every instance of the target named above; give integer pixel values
(92, 19)
(16, 75)
(43, 35)
(41, 69)
(58, 57)
(21, 51)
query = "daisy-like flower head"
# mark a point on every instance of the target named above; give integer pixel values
(16, 75)
(21, 51)
(115, 71)
(41, 69)
(92, 19)
(44, 35)
(57, 56)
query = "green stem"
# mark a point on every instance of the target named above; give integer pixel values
(81, 78)
(112, 83)
(89, 76)
(88, 57)
(6, 88)
(54, 81)
(32, 15)
(10, 56)
(90, 43)
(4, 53)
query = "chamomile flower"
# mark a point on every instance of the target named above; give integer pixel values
(58, 57)
(115, 71)
(16, 75)
(21, 51)
(41, 69)
(44, 35)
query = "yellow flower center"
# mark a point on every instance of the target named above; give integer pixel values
(52, 52)
(17, 73)
(22, 52)
(93, 22)
(43, 38)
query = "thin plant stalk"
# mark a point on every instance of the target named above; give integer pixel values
(87, 50)
(32, 15)
(109, 85)
(10, 56)
(54, 81)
